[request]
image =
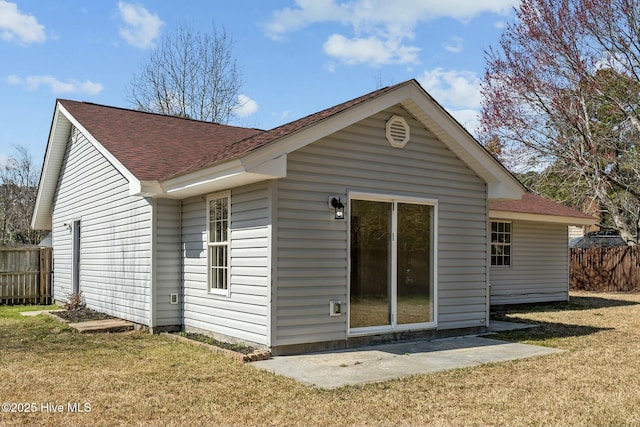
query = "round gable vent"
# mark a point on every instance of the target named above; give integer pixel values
(398, 131)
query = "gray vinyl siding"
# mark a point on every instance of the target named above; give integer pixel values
(244, 313)
(168, 266)
(539, 269)
(115, 256)
(312, 259)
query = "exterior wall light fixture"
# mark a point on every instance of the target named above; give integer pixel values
(335, 203)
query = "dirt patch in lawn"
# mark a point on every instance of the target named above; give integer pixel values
(240, 352)
(81, 315)
(238, 348)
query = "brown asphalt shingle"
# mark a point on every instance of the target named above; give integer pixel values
(155, 147)
(534, 204)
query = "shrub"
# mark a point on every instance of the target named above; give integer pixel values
(75, 302)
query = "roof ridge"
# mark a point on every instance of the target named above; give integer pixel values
(261, 139)
(357, 100)
(152, 113)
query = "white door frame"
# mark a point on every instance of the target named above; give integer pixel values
(394, 199)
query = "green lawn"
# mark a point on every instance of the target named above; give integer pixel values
(140, 379)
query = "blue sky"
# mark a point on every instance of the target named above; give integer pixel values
(297, 56)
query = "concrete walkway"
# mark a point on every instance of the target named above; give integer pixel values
(33, 313)
(385, 362)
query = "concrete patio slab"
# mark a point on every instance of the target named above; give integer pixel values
(385, 362)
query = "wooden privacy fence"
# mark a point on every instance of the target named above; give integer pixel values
(614, 269)
(25, 275)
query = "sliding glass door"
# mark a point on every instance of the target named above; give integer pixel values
(392, 264)
(370, 264)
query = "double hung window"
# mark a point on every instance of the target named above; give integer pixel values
(500, 243)
(218, 242)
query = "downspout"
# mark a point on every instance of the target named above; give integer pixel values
(488, 265)
(273, 270)
(152, 290)
(181, 269)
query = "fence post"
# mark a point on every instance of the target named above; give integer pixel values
(43, 284)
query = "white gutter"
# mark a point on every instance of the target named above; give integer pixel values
(556, 219)
(219, 177)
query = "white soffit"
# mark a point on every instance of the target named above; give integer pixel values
(223, 176)
(53, 158)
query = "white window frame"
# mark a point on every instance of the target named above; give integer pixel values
(495, 243)
(223, 243)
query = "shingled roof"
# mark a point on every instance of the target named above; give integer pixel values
(163, 156)
(155, 147)
(536, 205)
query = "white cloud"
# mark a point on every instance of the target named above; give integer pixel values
(458, 92)
(308, 12)
(247, 106)
(457, 89)
(141, 28)
(399, 16)
(470, 119)
(18, 26)
(371, 50)
(56, 86)
(379, 24)
(500, 25)
(281, 116)
(454, 45)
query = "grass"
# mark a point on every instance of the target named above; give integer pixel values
(139, 379)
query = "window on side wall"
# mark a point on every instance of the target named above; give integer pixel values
(218, 242)
(500, 244)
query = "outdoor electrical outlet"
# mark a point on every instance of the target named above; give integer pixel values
(335, 308)
(174, 299)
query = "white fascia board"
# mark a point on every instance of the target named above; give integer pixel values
(500, 191)
(53, 158)
(146, 189)
(555, 219)
(134, 183)
(501, 184)
(224, 176)
(308, 135)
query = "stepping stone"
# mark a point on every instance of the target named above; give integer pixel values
(109, 325)
(33, 313)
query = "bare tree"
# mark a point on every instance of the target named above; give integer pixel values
(563, 91)
(192, 75)
(18, 191)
